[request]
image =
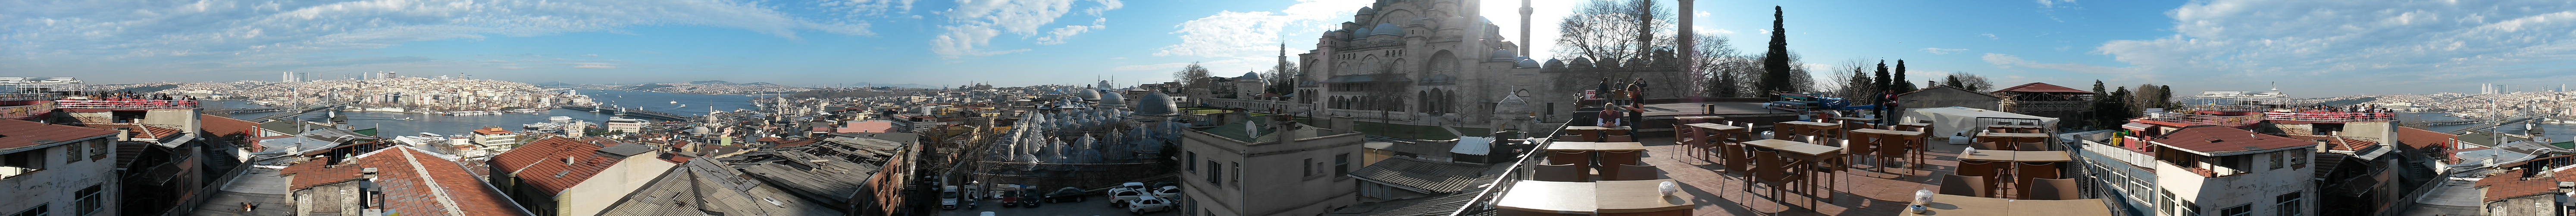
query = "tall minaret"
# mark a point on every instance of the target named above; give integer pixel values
(1283, 59)
(1525, 28)
(1683, 52)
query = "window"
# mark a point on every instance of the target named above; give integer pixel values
(28, 161)
(1342, 164)
(2275, 158)
(1214, 174)
(2288, 204)
(39, 210)
(1310, 167)
(71, 153)
(98, 149)
(2298, 158)
(2239, 210)
(1194, 167)
(1238, 174)
(88, 201)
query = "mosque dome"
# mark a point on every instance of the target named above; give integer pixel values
(1525, 62)
(1111, 98)
(1503, 55)
(1580, 62)
(1512, 103)
(1087, 94)
(1358, 33)
(1157, 104)
(1367, 10)
(1386, 29)
(1250, 75)
(1554, 63)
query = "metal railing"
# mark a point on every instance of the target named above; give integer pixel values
(127, 104)
(2230, 121)
(2330, 117)
(2046, 106)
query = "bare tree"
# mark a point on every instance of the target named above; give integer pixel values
(1858, 85)
(1283, 80)
(1190, 75)
(1613, 29)
(1714, 59)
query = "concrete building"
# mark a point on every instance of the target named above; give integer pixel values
(625, 125)
(1947, 96)
(393, 181)
(58, 170)
(2210, 170)
(1216, 181)
(1442, 62)
(565, 176)
(495, 139)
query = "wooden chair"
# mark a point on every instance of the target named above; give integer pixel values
(1986, 171)
(2026, 172)
(1615, 158)
(1899, 148)
(2052, 189)
(1620, 138)
(1974, 186)
(1581, 160)
(1560, 173)
(1773, 170)
(1634, 172)
(1992, 146)
(1862, 145)
(2031, 146)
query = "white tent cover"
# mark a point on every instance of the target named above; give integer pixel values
(1953, 121)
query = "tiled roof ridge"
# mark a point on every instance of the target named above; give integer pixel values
(430, 182)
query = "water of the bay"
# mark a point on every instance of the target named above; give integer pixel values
(2555, 132)
(391, 124)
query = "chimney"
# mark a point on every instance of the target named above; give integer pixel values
(367, 173)
(568, 160)
(123, 134)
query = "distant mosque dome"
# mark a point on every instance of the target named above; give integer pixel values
(1504, 55)
(1525, 62)
(1358, 33)
(1111, 98)
(1386, 29)
(1157, 104)
(1087, 94)
(1367, 10)
(1250, 75)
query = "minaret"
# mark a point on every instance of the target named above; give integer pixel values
(1683, 52)
(1525, 28)
(1283, 59)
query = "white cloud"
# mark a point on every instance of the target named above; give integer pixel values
(594, 66)
(232, 36)
(2053, 3)
(2003, 61)
(590, 55)
(1940, 51)
(868, 7)
(1990, 36)
(2385, 42)
(976, 22)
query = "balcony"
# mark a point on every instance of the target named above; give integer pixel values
(127, 104)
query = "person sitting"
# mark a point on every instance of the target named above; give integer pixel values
(1609, 116)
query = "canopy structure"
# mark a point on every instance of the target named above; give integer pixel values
(1954, 121)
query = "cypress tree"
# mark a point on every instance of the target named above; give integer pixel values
(1775, 62)
(1883, 84)
(1906, 85)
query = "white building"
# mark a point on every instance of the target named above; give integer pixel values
(495, 139)
(625, 125)
(2221, 171)
(1216, 181)
(57, 169)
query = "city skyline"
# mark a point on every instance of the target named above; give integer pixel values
(2313, 49)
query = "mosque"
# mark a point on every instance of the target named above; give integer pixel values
(1439, 62)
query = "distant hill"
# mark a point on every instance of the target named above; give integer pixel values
(711, 82)
(555, 84)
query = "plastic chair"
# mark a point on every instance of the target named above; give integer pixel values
(1773, 170)
(1559, 173)
(1615, 158)
(1620, 138)
(2031, 146)
(1992, 146)
(1986, 171)
(2052, 189)
(1974, 186)
(1580, 160)
(2026, 172)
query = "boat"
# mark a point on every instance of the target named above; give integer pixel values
(675, 102)
(542, 126)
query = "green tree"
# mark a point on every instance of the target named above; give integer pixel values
(2098, 91)
(2165, 94)
(1902, 84)
(1775, 61)
(1883, 79)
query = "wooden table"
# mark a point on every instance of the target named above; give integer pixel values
(1596, 146)
(1953, 205)
(1706, 130)
(1884, 132)
(2011, 137)
(1912, 126)
(1603, 197)
(2017, 156)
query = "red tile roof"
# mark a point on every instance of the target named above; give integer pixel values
(400, 172)
(2424, 139)
(2509, 184)
(221, 126)
(491, 131)
(539, 163)
(2042, 88)
(18, 134)
(2215, 141)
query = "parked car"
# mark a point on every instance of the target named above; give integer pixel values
(1010, 198)
(1066, 194)
(1168, 192)
(1149, 204)
(1028, 196)
(948, 197)
(1126, 192)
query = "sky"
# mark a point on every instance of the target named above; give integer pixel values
(2306, 48)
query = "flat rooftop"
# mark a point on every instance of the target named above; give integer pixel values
(1856, 191)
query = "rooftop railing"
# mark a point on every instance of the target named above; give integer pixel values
(2331, 117)
(127, 104)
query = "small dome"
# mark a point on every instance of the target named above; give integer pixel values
(1526, 63)
(1250, 76)
(1553, 63)
(1358, 33)
(1503, 54)
(1386, 29)
(1111, 98)
(1512, 103)
(1367, 10)
(1156, 104)
(1087, 94)
(1336, 34)
(1580, 62)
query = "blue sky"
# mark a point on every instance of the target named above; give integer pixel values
(2312, 48)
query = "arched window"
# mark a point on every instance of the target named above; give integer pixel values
(1443, 62)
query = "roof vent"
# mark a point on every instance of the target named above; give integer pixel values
(568, 160)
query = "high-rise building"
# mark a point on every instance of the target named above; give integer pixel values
(291, 76)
